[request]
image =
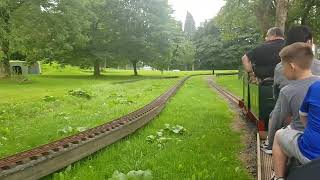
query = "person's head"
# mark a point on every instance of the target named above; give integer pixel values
(299, 34)
(274, 33)
(296, 59)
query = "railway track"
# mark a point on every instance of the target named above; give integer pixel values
(264, 161)
(232, 98)
(44, 160)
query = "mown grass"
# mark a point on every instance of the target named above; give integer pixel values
(231, 83)
(56, 80)
(208, 150)
(40, 110)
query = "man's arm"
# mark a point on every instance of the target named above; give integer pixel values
(246, 63)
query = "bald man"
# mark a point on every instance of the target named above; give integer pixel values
(263, 59)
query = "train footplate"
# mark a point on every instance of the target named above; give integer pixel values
(265, 166)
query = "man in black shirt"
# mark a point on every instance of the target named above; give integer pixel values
(263, 59)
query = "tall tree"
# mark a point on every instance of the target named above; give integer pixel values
(282, 13)
(218, 49)
(142, 23)
(189, 25)
(265, 13)
(166, 43)
(7, 9)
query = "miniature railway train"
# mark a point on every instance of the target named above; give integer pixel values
(257, 104)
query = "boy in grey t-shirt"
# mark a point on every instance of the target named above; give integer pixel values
(293, 94)
(280, 81)
(287, 106)
(296, 60)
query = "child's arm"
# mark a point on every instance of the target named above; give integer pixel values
(279, 116)
(304, 119)
(285, 111)
(304, 109)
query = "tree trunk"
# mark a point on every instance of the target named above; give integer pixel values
(134, 63)
(264, 14)
(282, 13)
(193, 67)
(6, 44)
(316, 51)
(6, 62)
(96, 67)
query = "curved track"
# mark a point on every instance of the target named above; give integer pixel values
(46, 159)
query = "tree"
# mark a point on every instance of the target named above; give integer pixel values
(142, 25)
(265, 13)
(101, 32)
(89, 31)
(7, 8)
(185, 54)
(166, 43)
(282, 13)
(305, 12)
(216, 49)
(238, 15)
(189, 25)
(241, 25)
(39, 29)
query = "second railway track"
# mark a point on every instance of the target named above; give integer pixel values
(232, 98)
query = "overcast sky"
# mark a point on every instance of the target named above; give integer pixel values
(200, 9)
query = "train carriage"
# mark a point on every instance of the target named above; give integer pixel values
(259, 101)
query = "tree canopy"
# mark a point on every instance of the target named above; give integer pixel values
(242, 24)
(88, 32)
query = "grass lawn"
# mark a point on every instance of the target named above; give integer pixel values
(231, 83)
(208, 149)
(40, 110)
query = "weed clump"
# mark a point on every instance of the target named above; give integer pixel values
(161, 140)
(132, 175)
(120, 99)
(69, 129)
(80, 93)
(4, 131)
(49, 98)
